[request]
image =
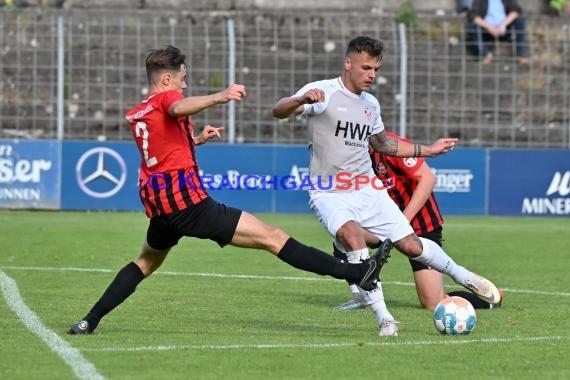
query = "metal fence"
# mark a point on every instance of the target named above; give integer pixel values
(447, 91)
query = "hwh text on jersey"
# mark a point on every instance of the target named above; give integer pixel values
(357, 131)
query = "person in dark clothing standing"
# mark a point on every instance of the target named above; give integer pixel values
(492, 20)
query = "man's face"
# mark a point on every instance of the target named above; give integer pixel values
(360, 71)
(177, 80)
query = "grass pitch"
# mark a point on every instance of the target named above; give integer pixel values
(212, 313)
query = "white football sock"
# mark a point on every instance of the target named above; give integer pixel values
(355, 257)
(375, 298)
(435, 257)
(354, 289)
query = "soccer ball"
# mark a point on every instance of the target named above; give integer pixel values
(455, 316)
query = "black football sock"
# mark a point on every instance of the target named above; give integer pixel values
(311, 259)
(341, 256)
(477, 302)
(120, 289)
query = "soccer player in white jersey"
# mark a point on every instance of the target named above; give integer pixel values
(351, 203)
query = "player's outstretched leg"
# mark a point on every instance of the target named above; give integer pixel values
(121, 288)
(310, 259)
(436, 258)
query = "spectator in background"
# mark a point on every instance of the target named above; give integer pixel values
(462, 5)
(489, 20)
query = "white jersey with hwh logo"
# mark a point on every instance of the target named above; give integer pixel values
(341, 127)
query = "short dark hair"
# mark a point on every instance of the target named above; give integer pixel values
(364, 44)
(159, 60)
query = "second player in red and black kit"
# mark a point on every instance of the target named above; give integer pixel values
(402, 177)
(168, 179)
(401, 181)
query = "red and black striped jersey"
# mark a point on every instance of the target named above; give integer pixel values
(168, 177)
(399, 177)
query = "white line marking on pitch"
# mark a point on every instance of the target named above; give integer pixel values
(256, 277)
(323, 345)
(70, 355)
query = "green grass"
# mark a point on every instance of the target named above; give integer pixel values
(182, 323)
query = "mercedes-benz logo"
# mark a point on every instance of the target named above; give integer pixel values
(101, 172)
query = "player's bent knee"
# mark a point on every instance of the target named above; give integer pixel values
(410, 246)
(351, 235)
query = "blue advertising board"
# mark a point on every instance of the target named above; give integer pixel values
(259, 176)
(461, 181)
(104, 176)
(29, 174)
(100, 176)
(255, 178)
(529, 183)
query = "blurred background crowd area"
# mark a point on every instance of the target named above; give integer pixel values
(429, 83)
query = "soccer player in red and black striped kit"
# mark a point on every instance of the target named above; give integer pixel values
(178, 205)
(412, 190)
(410, 184)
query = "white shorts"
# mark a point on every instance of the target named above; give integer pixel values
(371, 208)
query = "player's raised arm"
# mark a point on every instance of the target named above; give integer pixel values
(293, 105)
(194, 104)
(390, 146)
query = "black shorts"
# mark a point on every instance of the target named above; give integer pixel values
(205, 220)
(435, 236)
